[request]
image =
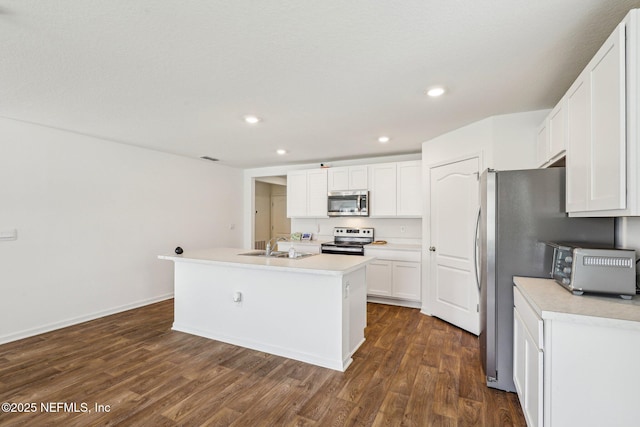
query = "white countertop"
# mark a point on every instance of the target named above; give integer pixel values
(327, 264)
(395, 247)
(552, 301)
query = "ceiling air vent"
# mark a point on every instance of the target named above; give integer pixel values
(210, 158)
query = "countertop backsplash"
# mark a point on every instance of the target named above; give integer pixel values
(393, 230)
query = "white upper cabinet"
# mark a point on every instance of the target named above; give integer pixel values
(597, 128)
(409, 187)
(578, 124)
(551, 139)
(395, 189)
(382, 189)
(307, 194)
(542, 144)
(297, 194)
(348, 178)
(557, 123)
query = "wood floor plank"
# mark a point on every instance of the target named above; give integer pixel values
(419, 406)
(412, 370)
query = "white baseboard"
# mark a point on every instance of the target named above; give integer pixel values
(74, 321)
(392, 301)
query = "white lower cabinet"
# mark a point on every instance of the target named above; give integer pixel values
(406, 280)
(528, 359)
(379, 278)
(573, 364)
(394, 274)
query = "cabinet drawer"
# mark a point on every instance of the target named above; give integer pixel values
(530, 319)
(393, 255)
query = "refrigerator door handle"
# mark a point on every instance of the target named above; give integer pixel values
(475, 251)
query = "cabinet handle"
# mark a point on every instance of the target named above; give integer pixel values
(432, 248)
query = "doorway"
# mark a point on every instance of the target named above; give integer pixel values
(270, 203)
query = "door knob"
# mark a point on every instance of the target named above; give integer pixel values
(432, 248)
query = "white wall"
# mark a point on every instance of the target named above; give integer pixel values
(92, 216)
(474, 139)
(505, 142)
(514, 137)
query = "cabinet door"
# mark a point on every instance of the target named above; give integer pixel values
(527, 372)
(578, 145)
(518, 355)
(379, 278)
(528, 359)
(533, 388)
(382, 180)
(409, 189)
(297, 194)
(608, 139)
(317, 193)
(557, 130)
(406, 280)
(542, 144)
(358, 178)
(338, 179)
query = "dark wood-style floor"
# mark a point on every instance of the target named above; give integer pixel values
(413, 370)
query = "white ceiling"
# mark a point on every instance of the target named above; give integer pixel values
(328, 77)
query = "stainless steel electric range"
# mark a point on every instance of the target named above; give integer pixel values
(348, 241)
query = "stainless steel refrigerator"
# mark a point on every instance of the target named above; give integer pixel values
(519, 211)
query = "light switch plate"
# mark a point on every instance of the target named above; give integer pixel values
(9, 234)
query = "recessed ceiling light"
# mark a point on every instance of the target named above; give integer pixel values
(252, 120)
(281, 152)
(435, 91)
(384, 139)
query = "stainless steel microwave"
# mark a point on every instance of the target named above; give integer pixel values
(348, 203)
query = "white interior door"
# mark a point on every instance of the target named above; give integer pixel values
(454, 208)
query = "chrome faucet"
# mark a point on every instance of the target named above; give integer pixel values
(268, 251)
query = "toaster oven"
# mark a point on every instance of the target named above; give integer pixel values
(581, 268)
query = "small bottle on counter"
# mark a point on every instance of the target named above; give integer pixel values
(292, 252)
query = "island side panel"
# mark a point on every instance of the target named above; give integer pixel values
(291, 314)
(354, 312)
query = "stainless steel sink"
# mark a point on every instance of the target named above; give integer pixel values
(278, 254)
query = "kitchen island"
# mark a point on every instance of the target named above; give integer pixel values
(310, 309)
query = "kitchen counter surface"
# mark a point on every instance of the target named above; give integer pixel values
(325, 264)
(395, 247)
(552, 301)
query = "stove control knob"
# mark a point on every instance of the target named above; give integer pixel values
(567, 270)
(566, 281)
(568, 259)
